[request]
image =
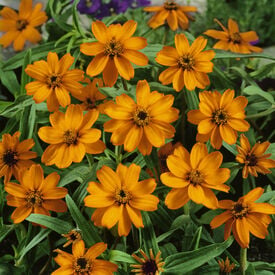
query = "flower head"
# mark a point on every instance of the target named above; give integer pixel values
(143, 124)
(254, 159)
(15, 155)
(219, 117)
(83, 261)
(73, 236)
(233, 40)
(119, 197)
(114, 51)
(89, 6)
(148, 265)
(245, 216)
(21, 26)
(188, 65)
(175, 15)
(70, 137)
(54, 81)
(192, 176)
(225, 266)
(35, 194)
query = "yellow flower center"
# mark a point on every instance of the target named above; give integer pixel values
(10, 157)
(149, 267)
(235, 38)
(186, 62)
(54, 81)
(21, 24)
(88, 3)
(239, 210)
(250, 160)
(113, 48)
(141, 116)
(34, 198)
(122, 196)
(82, 265)
(195, 177)
(70, 137)
(170, 5)
(219, 117)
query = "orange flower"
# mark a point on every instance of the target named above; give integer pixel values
(225, 266)
(91, 97)
(244, 217)
(22, 26)
(254, 159)
(148, 266)
(72, 236)
(175, 15)
(119, 197)
(70, 137)
(233, 40)
(219, 117)
(83, 261)
(192, 176)
(35, 194)
(188, 65)
(114, 51)
(54, 81)
(15, 156)
(143, 124)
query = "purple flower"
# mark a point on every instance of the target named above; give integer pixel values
(254, 42)
(140, 3)
(114, 7)
(88, 6)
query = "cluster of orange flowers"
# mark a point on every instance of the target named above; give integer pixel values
(143, 123)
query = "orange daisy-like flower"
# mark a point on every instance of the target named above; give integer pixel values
(35, 194)
(219, 117)
(119, 197)
(233, 40)
(244, 217)
(70, 137)
(188, 65)
(148, 266)
(83, 261)
(175, 15)
(72, 236)
(114, 51)
(143, 124)
(22, 26)
(192, 176)
(225, 266)
(254, 159)
(91, 97)
(15, 155)
(54, 81)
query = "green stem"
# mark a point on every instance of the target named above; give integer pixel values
(124, 83)
(264, 113)
(186, 209)
(90, 159)
(118, 154)
(243, 260)
(165, 35)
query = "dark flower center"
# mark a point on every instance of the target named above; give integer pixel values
(21, 24)
(239, 210)
(219, 117)
(90, 104)
(34, 198)
(113, 48)
(141, 117)
(82, 266)
(54, 81)
(122, 196)
(170, 5)
(70, 137)
(195, 177)
(235, 38)
(10, 158)
(186, 62)
(251, 160)
(149, 267)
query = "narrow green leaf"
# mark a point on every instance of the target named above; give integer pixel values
(263, 71)
(120, 256)
(223, 54)
(9, 80)
(253, 90)
(5, 230)
(24, 77)
(76, 174)
(76, 20)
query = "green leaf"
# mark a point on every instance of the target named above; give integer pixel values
(54, 224)
(5, 230)
(90, 234)
(263, 71)
(184, 262)
(9, 80)
(27, 121)
(266, 197)
(76, 20)
(253, 90)
(76, 174)
(24, 77)
(223, 54)
(155, 86)
(120, 256)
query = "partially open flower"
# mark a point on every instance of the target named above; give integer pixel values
(73, 236)
(225, 266)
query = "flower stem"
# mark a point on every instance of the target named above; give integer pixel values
(264, 113)
(90, 159)
(125, 87)
(243, 260)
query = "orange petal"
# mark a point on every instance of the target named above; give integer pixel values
(21, 213)
(124, 223)
(167, 76)
(110, 73)
(220, 219)
(228, 134)
(135, 216)
(135, 43)
(96, 250)
(100, 31)
(124, 67)
(136, 57)
(112, 215)
(176, 198)
(146, 203)
(92, 49)
(97, 65)
(78, 249)
(198, 152)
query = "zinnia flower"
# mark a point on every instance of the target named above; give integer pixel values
(192, 176)
(83, 261)
(148, 265)
(54, 81)
(225, 266)
(35, 194)
(22, 26)
(72, 237)
(15, 155)
(70, 137)
(233, 40)
(114, 51)
(244, 217)
(143, 124)
(119, 197)
(188, 65)
(175, 15)
(254, 159)
(219, 117)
